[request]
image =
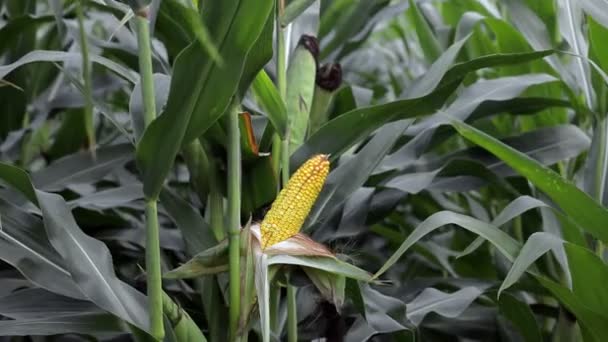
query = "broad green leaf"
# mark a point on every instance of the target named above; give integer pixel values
(588, 285)
(108, 199)
(24, 244)
(60, 56)
(90, 263)
(71, 136)
(196, 231)
(87, 260)
(575, 203)
(352, 174)
(598, 9)
(428, 42)
(596, 168)
(521, 316)
(593, 322)
(331, 265)
(346, 19)
(210, 261)
(424, 99)
(407, 156)
(548, 146)
(536, 246)
(200, 89)
(503, 242)
(445, 304)
(498, 89)
(82, 167)
(514, 209)
(270, 100)
(456, 175)
(37, 303)
(383, 314)
(190, 23)
(88, 324)
(294, 9)
(136, 106)
(337, 135)
(330, 285)
(183, 326)
(570, 19)
(440, 70)
(260, 54)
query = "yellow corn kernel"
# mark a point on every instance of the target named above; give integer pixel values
(290, 208)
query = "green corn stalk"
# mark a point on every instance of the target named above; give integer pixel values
(184, 327)
(153, 269)
(86, 75)
(234, 217)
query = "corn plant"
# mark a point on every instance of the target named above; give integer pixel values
(303, 170)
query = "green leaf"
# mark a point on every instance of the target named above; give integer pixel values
(184, 327)
(596, 165)
(514, 209)
(136, 105)
(445, 304)
(210, 261)
(428, 42)
(24, 244)
(294, 9)
(570, 20)
(90, 263)
(588, 286)
(270, 100)
(332, 265)
(82, 167)
(341, 133)
(36, 303)
(536, 246)
(597, 9)
(196, 231)
(503, 242)
(594, 323)
(200, 89)
(89, 324)
(521, 316)
(425, 97)
(87, 260)
(110, 198)
(260, 54)
(383, 314)
(190, 23)
(575, 203)
(352, 174)
(329, 284)
(548, 146)
(60, 56)
(71, 136)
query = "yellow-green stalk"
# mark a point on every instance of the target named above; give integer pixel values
(86, 76)
(183, 326)
(153, 269)
(234, 217)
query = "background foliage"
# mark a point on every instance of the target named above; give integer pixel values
(469, 149)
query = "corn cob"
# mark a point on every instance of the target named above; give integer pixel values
(289, 210)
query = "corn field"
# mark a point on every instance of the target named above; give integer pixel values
(304, 170)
